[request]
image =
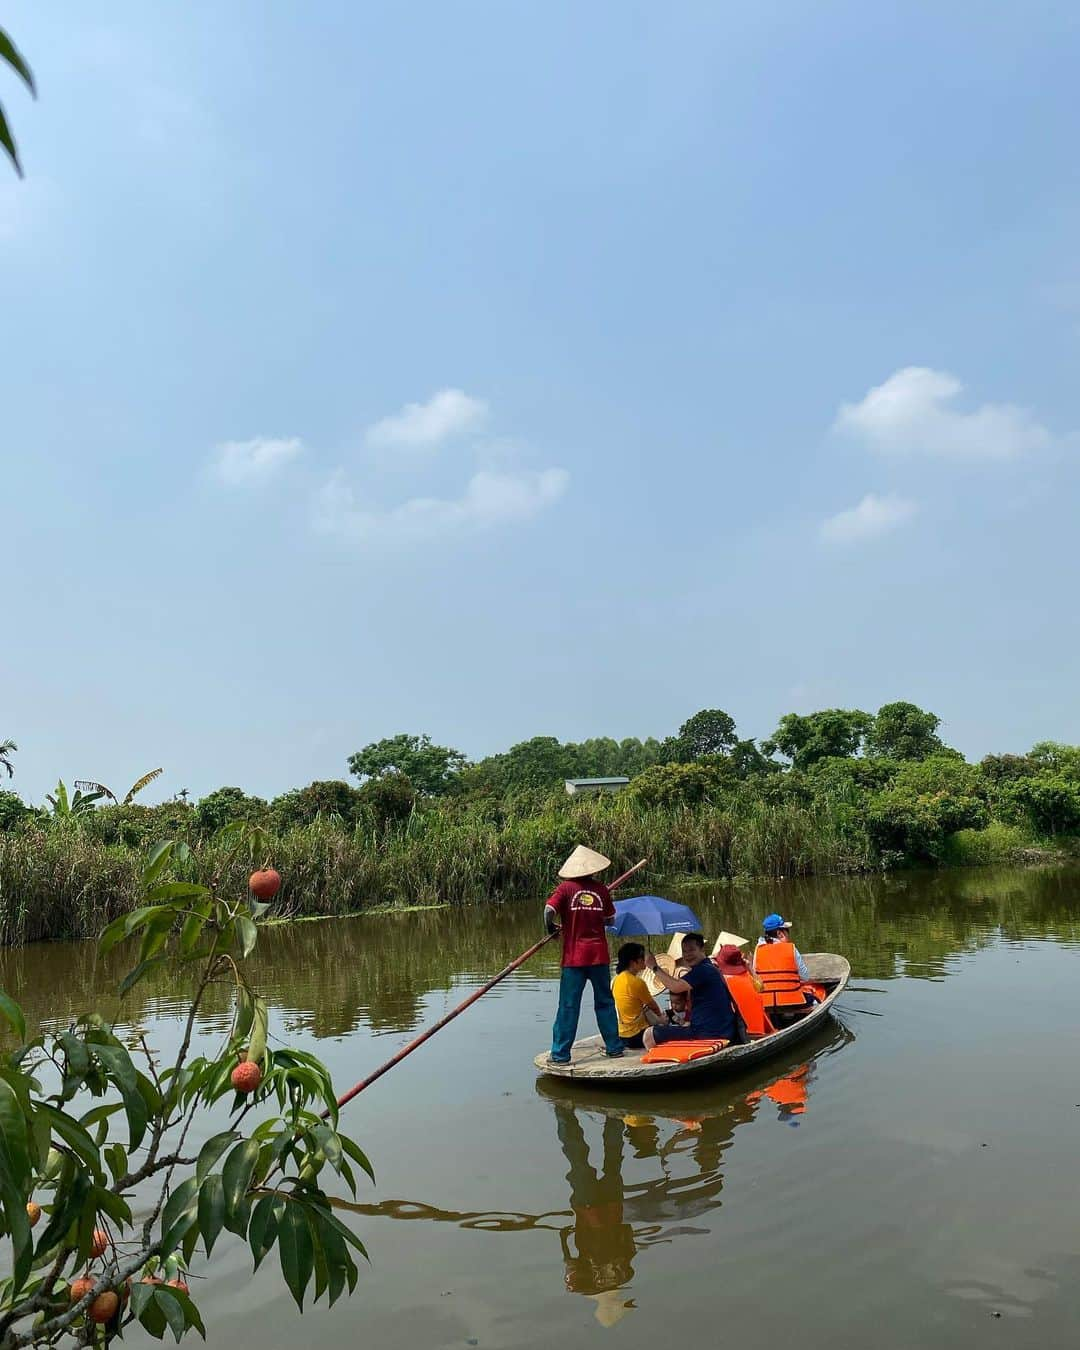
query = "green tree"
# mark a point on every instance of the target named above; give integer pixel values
(87, 1122)
(430, 768)
(328, 798)
(833, 733)
(709, 732)
(903, 731)
(1064, 759)
(675, 785)
(387, 800)
(7, 749)
(10, 56)
(13, 810)
(224, 805)
(927, 801)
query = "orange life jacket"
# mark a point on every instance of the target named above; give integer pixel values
(682, 1052)
(774, 965)
(750, 1003)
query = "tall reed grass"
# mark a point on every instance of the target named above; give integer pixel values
(60, 882)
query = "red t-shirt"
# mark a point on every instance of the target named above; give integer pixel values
(583, 908)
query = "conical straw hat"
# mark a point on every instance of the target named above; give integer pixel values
(583, 862)
(675, 947)
(727, 939)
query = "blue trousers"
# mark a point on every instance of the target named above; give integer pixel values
(571, 987)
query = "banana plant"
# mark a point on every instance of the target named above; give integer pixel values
(67, 808)
(101, 790)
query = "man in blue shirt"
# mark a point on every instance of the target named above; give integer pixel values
(713, 1015)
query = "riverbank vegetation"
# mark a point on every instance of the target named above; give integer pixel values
(837, 791)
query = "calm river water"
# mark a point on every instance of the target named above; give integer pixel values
(908, 1180)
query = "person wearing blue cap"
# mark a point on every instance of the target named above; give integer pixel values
(775, 928)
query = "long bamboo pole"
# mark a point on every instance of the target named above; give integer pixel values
(347, 1097)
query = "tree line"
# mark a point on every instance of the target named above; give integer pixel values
(886, 780)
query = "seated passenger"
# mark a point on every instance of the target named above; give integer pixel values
(746, 989)
(678, 1009)
(636, 1007)
(780, 966)
(713, 1015)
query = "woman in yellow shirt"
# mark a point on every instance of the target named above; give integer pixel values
(636, 1007)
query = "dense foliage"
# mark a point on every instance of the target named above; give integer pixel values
(839, 790)
(95, 1130)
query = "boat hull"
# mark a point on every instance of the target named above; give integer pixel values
(589, 1063)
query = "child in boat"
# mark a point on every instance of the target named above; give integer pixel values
(678, 1009)
(636, 1007)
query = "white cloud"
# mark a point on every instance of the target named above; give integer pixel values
(448, 413)
(912, 412)
(490, 498)
(240, 462)
(874, 515)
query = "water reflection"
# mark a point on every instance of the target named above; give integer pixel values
(611, 1221)
(390, 974)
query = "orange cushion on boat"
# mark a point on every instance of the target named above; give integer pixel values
(682, 1052)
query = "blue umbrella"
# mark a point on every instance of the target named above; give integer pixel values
(644, 915)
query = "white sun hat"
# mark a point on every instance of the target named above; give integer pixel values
(727, 939)
(583, 862)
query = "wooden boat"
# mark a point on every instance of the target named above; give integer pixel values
(589, 1063)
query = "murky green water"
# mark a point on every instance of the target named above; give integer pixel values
(909, 1175)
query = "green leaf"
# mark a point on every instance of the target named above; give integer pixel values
(350, 1237)
(264, 1226)
(116, 1158)
(193, 927)
(189, 1314)
(136, 973)
(121, 1071)
(181, 1210)
(11, 54)
(295, 1250)
(177, 890)
(247, 934)
(155, 936)
(152, 1315)
(8, 142)
(211, 1151)
(156, 862)
(245, 1013)
(236, 1178)
(330, 1145)
(211, 1210)
(9, 1009)
(76, 1138)
(14, 1137)
(78, 1060)
(111, 934)
(357, 1154)
(113, 1205)
(174, 1313)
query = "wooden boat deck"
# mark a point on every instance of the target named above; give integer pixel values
(588, 1062)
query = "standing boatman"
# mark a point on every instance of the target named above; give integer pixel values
(580, 907)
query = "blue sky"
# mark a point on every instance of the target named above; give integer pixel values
(502, 369)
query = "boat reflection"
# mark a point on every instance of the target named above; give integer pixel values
(678, 1141)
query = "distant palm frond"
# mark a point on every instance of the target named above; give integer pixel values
(142, 782)
(7, 749)
(10, 55)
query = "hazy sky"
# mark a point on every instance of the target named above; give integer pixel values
(502, 369)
